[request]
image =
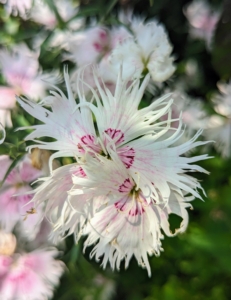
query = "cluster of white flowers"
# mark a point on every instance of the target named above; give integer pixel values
(127, 178)
(131, 165)
(141, 47)
(21, 71)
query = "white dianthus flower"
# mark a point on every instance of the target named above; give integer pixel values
(127, 177)
(148, 51)
(18, 7)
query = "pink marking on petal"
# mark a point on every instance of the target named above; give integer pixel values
(138, 209)
(133, 208)
(5, 262)
(127, 155)
(13, 177)
(97, 47)
(88, 141)
(27, 172)
(120, 205)
(115, 135)
(126, 187)
(79, 172)
(103, 35)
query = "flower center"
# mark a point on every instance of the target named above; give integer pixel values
(90, 144)
(125, 153)
(133, 202)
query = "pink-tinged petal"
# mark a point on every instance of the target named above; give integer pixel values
(126, 186)
(58, 186)
(127, 155)
(14, 207)
(118, 35)
(19, 66)
(43, 235)
(125, 229)
(86, 47)
(40, 261)
(116, 135)
(17, 7)
(5, 262)
(30, 218)
(22, 282)
(118, 112)
(88, 143)
(13, 177)
(9, 210)
(27, 172)
(7, 97)
(202, 19)
(64, 122)
(5, 163)
(31, 275)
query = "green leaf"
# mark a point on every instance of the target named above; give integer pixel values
(13, 164)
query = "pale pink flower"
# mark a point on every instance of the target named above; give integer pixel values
(14, 197)
(116, 37)
(87, 46)
(43, 235)
(20, 68)
(94, 46)
(203, 20)
(218, 127)
(42, 13)
(18, 7)
(142, 175)
(29, 275)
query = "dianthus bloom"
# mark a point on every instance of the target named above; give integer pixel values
(218, 127)
(127, 177)
(149, 50)
(145, 48)
(93, 46)
(14, 197)
(203, 20)
(20, 69)
(42, 14)
(18, 7)
(24, 275)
